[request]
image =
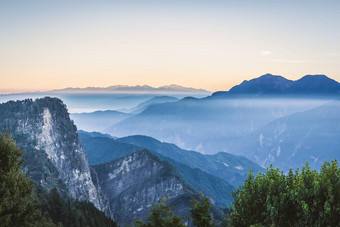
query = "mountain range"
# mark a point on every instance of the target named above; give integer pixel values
(215, 176)
(153, 152)
(145, 89)
(123, 187)
(230, 121)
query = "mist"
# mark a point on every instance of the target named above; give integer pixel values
(208, 125)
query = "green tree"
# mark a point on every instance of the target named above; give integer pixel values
(306, 198)
(200, 212)
(70, 212)
(161, 216)
(18, 206)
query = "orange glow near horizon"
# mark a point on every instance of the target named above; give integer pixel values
(211, 45)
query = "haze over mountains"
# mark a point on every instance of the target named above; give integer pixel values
(90, 121)
(163, 144)
(155, 100)
(225, 119)
(80, 100)
(312, 136)
(101, 120)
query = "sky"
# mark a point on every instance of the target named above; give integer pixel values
(211, 44)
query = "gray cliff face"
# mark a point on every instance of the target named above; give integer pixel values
(44, 130)
(133, 183)
(69, 158)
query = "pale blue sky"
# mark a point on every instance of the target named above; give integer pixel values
(208, 44)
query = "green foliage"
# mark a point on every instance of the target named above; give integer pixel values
(200, 212)
(161, 216)
(17, 203)
(305, 198)
(71, 213)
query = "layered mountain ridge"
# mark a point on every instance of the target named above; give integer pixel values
(210, 175)
(124, 188)
(228, 121)
(270, 120)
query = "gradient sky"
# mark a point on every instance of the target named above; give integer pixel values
(198, 43)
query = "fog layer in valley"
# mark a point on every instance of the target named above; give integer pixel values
(283, 132)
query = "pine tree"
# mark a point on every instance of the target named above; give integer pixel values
(200, 212)
(161, 216)
(17, 203)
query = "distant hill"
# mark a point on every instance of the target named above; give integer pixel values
(169, 89)
(266, 84)
(155, 100)
(98, 120)
(314, 84)
(95, 134)
(269, 84)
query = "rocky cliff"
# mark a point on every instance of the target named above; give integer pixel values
(136, 181)
(124, 188)
(53, 154)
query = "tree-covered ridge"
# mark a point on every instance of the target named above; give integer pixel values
(306, 198)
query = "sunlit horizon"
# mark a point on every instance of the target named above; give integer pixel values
(212, 45)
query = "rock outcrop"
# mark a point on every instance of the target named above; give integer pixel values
(53, 154)
(133, 183)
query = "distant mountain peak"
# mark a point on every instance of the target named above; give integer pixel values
(269, 84)
(268, 75)
(316, 77)
(315, 84)
(265, 84)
